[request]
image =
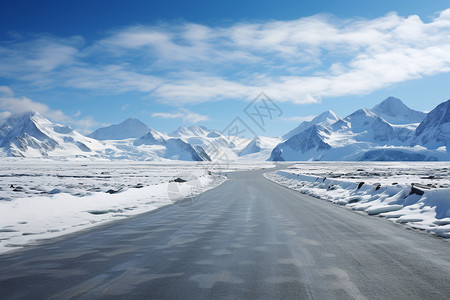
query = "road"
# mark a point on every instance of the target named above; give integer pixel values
(246, 239)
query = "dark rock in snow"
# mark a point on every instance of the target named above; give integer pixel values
(179, 180)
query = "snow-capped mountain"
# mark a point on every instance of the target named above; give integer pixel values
(31, 135)
(259, 148)
(337, 141)
(326, 118)
(394, 111)
(10, 123)
(190, 131)
(311, 139)
(130, 128)
(434, 131)
(369, 126)
(363, 135)
(219, 146)
(171, 148)
(180, 150)
(214, 143)
(152, 137)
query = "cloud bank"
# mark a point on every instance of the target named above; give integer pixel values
(12, 105)
(299, 61)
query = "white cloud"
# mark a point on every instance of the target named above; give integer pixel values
(9, 104)
(183, 114)
(300, 61)
(109, 78)
(85, 125)
(198, 88)
(6, 90)
(4, 115)
(172, 44)
(39, 55)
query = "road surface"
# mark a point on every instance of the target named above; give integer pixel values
(246, 239)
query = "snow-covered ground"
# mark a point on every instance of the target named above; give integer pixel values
(41, 199)
(379, 188)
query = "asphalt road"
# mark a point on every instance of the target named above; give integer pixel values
(246, 239)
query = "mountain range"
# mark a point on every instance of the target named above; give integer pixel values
(388, 131)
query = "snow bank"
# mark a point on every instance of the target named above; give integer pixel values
(399, 203)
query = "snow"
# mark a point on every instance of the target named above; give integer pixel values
(31, 135)
(326, 118)
(130, 128)
(259, 148)
(190, 131)
(369, 126)
(41, 198)
(190, 143)
(214, 144)
(364, 135)
(434, 131)
(394, 111)
(152, 137)
(381, 189)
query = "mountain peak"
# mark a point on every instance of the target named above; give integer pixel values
(262, 145)
(310, 139)
(25, 115)
(193, 130)
(327, 118)
(130, 128)
(28, 130)
(152, 137)
(392, 99)
(132, 121)
(434, 130)
(363, 112)
(329, 114)
(390, 104)
(394, 111)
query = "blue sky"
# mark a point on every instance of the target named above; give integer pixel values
(172, 63)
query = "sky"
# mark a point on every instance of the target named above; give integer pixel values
(181, 63)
